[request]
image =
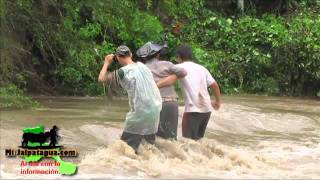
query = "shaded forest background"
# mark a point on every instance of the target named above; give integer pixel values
(56, 47)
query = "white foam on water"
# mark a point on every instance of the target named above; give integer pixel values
(102, 133)
(103, 155)
(179, 159)
(247, 120)
(303, 158)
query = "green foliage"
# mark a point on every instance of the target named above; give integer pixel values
(299, 71)
(12, 97)
(142, 28)
(269, 54)
(93, 29)
(253, 52)
(90, 31)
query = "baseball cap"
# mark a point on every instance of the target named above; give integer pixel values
(123, 51)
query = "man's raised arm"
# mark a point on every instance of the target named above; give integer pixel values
(103, 76)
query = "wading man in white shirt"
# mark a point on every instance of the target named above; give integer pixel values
(198, 103)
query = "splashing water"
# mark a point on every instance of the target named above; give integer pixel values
(250, 137)
(184, 158)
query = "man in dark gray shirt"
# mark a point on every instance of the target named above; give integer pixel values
(163, 69)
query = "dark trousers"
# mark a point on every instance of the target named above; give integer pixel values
(168, 123)
(194, 124)
(134, 140)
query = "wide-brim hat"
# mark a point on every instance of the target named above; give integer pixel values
(149, 49)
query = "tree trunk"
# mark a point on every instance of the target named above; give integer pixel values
(155, 7)
(240, 5)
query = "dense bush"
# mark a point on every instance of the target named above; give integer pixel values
(269, 54)
(13, 97)
(65, 42)
(95, 30)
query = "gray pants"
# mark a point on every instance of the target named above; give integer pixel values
(134, 140)
(168, 120)
(194, 124)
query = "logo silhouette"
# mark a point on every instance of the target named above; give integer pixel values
(41, 138)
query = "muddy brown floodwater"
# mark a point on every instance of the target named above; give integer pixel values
(249, 137)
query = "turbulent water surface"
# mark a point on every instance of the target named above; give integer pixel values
(249, 137)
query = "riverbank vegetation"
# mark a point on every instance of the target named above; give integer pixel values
(252, 46)
(13, 97)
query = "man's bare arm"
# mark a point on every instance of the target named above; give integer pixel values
(167, 81)
(103, 76)
(179, 71)
(176, 73)
(103, 73)
(216, 92)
